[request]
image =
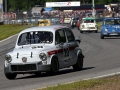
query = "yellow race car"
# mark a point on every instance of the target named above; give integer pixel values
(45, 22)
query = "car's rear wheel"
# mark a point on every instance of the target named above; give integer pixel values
(102, 36)
(79, 63)
(54, 66)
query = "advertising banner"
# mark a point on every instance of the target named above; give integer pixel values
(1, 10)
(0, 1)
(62, 4)
(1, 6)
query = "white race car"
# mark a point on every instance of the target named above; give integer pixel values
(88, 24)
(43, 49)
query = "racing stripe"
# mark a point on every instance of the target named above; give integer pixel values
(60, 50)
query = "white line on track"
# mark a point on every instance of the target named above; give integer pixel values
(7, 38)
(102, 76)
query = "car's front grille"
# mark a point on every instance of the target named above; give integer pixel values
(25, 67)
(92, 27)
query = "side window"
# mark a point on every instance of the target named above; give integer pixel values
(22, 39)
(60, 37)
(70, 35)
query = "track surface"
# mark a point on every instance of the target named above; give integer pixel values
(102, 56)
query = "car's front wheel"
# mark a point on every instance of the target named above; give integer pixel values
(10, 76)
(37, 73)
(54, 66)
(102, 36)
(79, 64)
(96, 31)
(81, 31)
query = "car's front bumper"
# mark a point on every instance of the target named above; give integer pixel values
(111, 34)
(26, 68)
(88, 29)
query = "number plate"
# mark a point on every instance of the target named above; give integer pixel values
(113, 34)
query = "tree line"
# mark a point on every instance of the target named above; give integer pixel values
(22, 5)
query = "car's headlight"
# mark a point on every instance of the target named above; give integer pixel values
(8, 58)
(43, 56)
(96, 26)
(83, 26)
(106, 29)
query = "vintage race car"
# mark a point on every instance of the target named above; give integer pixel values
(110, 27)
(88, 24)
(44, 22)
(43, 49)
(67, 20)
(74, 22)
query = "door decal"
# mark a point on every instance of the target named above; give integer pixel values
(66, 52)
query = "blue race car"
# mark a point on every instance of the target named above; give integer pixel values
(110, 27)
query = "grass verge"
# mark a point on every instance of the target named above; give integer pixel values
(109, 83)
(9, 30)
(12, 29)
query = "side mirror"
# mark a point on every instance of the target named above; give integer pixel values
(78, 40)
(61, 44)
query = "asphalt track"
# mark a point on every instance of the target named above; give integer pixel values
(102, 58)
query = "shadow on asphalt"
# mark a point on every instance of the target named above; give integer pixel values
(111, 37)
(61, 72)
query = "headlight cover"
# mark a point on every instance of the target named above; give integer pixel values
(96, 26)
(8, 58)
(83, 26)
(106, 29)
(43, 56)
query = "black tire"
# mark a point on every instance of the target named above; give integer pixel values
(96, 31)
(54, 66)
(37, 73)
(10, 76)
(81, 31)
(79, 64)
(102, 36)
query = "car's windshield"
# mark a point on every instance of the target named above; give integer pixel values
(112, 22)
(89, 21)
(35, 37)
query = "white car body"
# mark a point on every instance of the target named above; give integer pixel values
(34, 54)
(88, 24)
(67, 20)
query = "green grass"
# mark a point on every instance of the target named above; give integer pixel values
(9, 30)
(12, 29)
(92, 84)
(99, 25)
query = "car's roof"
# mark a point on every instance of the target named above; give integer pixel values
(88, 18)
(51, 28)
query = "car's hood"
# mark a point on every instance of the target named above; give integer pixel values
(27, 50)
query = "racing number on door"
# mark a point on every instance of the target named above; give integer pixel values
(66, 52)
